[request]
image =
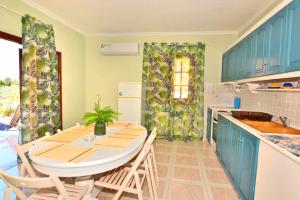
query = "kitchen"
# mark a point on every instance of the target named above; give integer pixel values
(259, 74)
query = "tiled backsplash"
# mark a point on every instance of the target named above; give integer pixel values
(276, 103)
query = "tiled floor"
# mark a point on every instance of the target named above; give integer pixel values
(187, 171)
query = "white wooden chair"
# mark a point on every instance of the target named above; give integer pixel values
(21, 151)
(130, 178)
(47, 188)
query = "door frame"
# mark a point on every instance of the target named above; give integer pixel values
(17, 39)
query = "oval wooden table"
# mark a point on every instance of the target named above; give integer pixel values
(102, 160)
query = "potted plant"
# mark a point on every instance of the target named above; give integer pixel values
(100, 118)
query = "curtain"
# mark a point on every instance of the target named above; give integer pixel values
(40, 106)
(174, 119)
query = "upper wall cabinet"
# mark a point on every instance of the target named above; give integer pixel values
(272, 48)
(293, 37)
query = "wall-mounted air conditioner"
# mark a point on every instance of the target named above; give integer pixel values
(119, 48)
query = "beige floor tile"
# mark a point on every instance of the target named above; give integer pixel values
(223, 193)
(163, 142)
(161, 186)
(162, 149)
(207, 153)
(186, 160)
(163, 158)
(186, 173)
(211, 162)
(162, 170)
(184, 144)
(185, 151)
(181, 191)
(216, 176)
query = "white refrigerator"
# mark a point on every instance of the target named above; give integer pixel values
(129, 101)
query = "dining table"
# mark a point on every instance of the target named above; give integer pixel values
(77, 152)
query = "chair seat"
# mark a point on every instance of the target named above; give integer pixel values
(75, 192)
(114, 179)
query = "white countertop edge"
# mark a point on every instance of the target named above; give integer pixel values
(257, 134)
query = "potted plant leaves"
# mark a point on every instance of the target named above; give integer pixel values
(100, 117)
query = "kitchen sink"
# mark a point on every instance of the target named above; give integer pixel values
(271, 127)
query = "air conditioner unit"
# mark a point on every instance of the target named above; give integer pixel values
(119, 48)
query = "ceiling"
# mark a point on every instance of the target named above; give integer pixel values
(93, 17)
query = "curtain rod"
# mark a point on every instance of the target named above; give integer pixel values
(6, 8)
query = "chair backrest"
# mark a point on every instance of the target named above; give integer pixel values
(22, 149)
(16, 184)
(138, 161)
(14, 121)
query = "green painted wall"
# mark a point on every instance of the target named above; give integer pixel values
(103, 73)
(72, 46)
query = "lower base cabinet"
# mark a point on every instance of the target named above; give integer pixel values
(238, 151)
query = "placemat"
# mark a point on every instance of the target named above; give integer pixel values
(84, 155)
(64, 153)
(131, 131)
(66, 136)
(43, 150)
(114, 142)
(123, 136)
(119, 124)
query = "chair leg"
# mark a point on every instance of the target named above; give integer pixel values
(152, 177)
(7, 194)
(154, 163)
(22, 170)
(138, 186)
(148, 178)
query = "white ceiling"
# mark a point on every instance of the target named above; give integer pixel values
(141, 16)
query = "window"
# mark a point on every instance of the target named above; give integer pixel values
(181, 78)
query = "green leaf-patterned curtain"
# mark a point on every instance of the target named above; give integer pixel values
(40, 106)
(174, 119)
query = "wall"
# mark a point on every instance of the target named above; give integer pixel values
(103, 73)
(276, 103)
(72, 46)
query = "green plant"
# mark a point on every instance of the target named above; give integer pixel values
(101, 115)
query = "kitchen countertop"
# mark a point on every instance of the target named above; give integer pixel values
(289, 145)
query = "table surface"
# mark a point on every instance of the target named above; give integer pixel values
(104, 159)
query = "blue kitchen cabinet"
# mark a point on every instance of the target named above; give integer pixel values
(293, 38)
(232, 60)
(209, 123)
(225, 64)
(273, 48)
(276, 43)
(249, 57)
(222, 130)
(261, 51)
(238, 151)
(233, 160)
(249, 146)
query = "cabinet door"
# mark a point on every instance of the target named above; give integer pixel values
(277, 30)
(225, 69)
(222, 131)
(208, 127)
(293, 38)
(249, 57)
(231, 64)
(233, 159)
(247, 165)
(240, 62)
(261, 44)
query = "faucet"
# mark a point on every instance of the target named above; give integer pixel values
(285, 121)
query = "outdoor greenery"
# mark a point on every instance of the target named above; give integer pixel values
(101, 115)
(9, 96)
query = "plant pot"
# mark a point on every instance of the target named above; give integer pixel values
(100, 128)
